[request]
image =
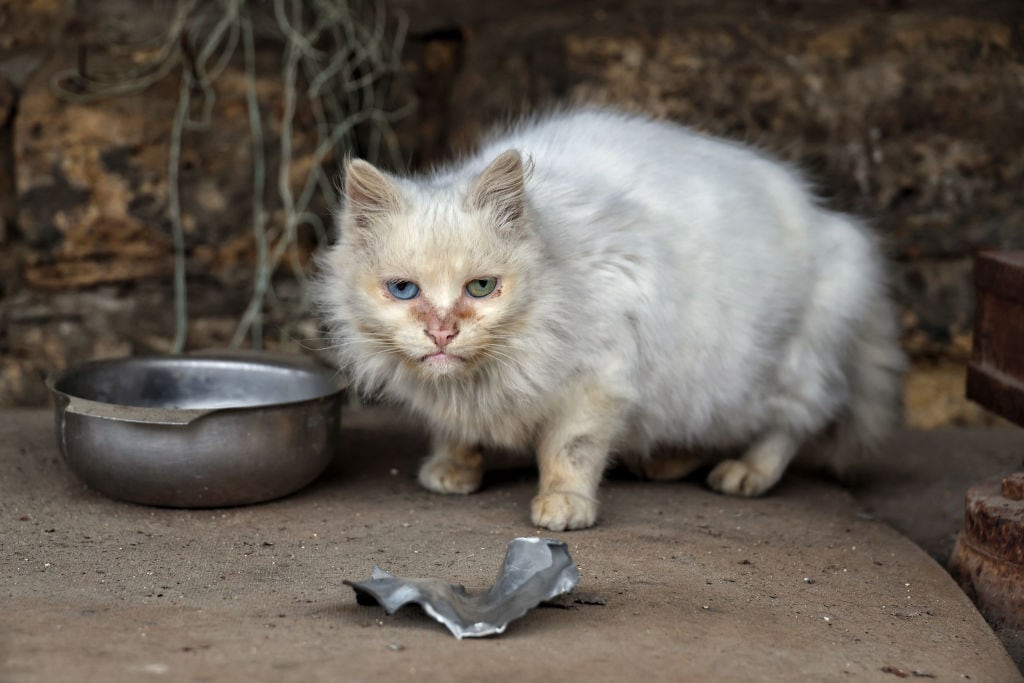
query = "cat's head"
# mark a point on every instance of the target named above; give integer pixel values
(428, 276)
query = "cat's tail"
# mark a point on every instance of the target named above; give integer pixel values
(875, 375)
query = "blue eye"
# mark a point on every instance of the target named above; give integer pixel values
(403, 289)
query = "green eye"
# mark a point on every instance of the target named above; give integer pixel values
(481, 286)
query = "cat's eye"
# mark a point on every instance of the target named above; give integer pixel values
(403, 289)
(481, 286)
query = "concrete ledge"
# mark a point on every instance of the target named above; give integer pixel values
(801, 585)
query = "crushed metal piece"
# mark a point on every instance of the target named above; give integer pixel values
(535, 570)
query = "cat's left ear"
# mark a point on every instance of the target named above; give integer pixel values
(501, 188)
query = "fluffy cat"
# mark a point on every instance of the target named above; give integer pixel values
(593, 285)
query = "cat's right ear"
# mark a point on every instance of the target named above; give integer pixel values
(501, 188)
(370, 195)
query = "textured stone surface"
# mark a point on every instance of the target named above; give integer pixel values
(934, 396)
(881, 110)
(800, 585)
(26, 33)
(909, 114)
(86, 229)
(92, 184)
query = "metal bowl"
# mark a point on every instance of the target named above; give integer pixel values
(197, 431)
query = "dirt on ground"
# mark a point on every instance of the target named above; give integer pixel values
(805, 584)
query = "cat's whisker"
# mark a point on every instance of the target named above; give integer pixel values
(510, 361)
(502, 360)
(327, 347)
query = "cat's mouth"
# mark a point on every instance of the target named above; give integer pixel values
(442, 359)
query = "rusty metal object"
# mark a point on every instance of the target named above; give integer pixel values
(1013, 486)
(988, 560)
(995, 375)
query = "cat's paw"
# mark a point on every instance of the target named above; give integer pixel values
(739, 478)
(447, 476)
(560, 511)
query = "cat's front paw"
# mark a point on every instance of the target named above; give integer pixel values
(563, 511)
(739, 478)
(448, 476)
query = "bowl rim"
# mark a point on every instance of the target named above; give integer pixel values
(71, 403)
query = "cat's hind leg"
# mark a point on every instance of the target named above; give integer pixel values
(452, 467)
(759, 469)
(669, 466)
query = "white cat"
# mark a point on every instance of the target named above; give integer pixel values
(592, 284)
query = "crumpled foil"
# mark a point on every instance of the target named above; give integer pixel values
(535, 570)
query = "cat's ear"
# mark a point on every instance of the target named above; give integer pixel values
(369, 194)
(501, 188)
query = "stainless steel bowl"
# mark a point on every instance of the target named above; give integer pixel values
(197, 431)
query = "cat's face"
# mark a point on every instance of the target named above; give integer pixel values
(435, 274)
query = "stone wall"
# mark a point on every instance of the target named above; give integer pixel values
(910, 114)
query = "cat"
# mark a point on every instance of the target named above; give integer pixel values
(592, 285)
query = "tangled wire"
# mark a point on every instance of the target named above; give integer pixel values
(338, 59)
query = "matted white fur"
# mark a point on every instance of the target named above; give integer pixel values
(656, 289)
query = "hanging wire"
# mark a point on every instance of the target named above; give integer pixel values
(174, 211)
(259, 173)
(339, 59)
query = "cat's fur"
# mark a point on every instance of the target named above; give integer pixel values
(661, 295)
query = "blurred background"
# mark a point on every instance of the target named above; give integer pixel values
(167, 168)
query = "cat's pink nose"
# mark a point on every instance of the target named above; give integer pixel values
(442, 335)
